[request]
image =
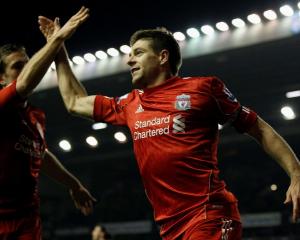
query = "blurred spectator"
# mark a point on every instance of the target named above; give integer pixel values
(100, 233)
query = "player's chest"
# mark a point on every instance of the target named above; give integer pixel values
(25, 124)
(162, 108)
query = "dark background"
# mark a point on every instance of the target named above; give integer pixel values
(112, 22)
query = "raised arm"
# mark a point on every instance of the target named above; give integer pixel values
(278, 149)
(72, 91)
(37, 66)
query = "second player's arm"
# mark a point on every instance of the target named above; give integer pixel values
(37, 66)
(53, 168)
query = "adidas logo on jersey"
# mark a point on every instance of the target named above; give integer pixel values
(139, 109)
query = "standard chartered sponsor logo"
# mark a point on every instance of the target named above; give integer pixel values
(152, 122)
(178, 124)
(161, 126)
(29, 146)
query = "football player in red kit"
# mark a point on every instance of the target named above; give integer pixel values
(174, 121)
(23, 149)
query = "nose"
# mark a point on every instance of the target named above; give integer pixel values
(130, 60)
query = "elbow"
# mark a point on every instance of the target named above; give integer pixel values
(71, 105)
(70, 108)
(72, 111)
(23, 89)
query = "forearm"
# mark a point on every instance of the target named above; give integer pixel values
(36, 68)
(276, 147)
(54, 169)
(70, 88)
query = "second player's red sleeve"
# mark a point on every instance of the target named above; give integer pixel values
(229, 109)
(8, 94)
(108, 110)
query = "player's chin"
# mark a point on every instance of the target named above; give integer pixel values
(136, 82)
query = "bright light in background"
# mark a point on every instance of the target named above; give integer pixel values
(286, 10)
(239, 23)
(299, 5)
(270, 15)
(70, 62)
(254, 18)
(222, 26)
(179, 36)
(293, 94)
(288, 113)
(120, 137)
(220, 127)
(125, 49)
(78, 60)
(113, 52)
(273, 187)
(207, 29)
(52, 66)
(92, 141)
(193, 32)
(101, 55)
(65, 145)
(89, 57)
(99, 125)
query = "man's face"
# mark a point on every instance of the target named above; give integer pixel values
(144, 63)
(97, 233)
(14, 64)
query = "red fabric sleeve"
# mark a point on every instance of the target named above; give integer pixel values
(8, 94)
(230, 110)
(109, 110)
(246, 119)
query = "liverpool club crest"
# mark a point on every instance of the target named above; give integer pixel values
(183, 102)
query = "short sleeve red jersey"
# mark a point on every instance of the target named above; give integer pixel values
(174, 128)
(22, 147)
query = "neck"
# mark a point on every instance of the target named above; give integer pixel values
(160, 79)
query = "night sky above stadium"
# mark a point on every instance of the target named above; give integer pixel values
(112, 22)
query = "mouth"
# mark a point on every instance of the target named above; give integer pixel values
(134, 69)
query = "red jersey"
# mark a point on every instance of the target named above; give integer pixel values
(22, 148)
(174, 128)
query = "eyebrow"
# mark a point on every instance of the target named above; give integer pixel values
(18, 63)
(137, 49)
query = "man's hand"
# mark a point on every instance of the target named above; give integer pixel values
(83, 200)
(52, 29)
(293, 196)
(48, 27)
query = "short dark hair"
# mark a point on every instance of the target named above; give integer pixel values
(8, 49)
(161, 39)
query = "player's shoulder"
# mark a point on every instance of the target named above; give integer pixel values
(128, 97)
(202, 82)
(200, 79)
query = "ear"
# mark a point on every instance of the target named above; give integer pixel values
(164, 56)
